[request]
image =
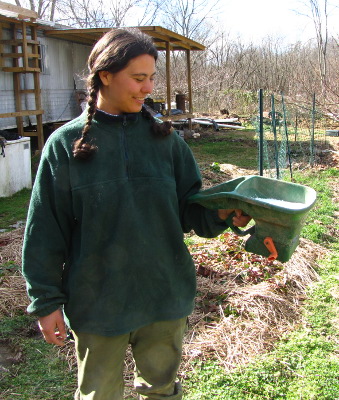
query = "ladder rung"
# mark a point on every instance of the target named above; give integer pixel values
(20, 69)
(27, 91)
(23, 113)
(18, 42)
(19, 55)
(30, 133)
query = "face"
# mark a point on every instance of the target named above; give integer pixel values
(125, 91)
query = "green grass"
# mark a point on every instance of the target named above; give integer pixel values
(44, 375)
(320, 220)
(237, 148)
(14, 208)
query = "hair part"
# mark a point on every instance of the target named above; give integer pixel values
(112, 53)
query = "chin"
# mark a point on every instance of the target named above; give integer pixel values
(135, 109)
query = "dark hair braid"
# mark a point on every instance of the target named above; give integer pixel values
(158, 129)
(82, 148)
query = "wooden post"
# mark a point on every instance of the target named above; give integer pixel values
(168, 78)
(37, 90)
(189, 81)
(24, 46)
(189, 86)
(1, 47)
(17, 85)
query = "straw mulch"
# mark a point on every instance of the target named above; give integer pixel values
(12, 288)
(245, 303)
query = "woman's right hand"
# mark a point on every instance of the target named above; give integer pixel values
(53, 328)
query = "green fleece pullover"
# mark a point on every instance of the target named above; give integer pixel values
(104, 237)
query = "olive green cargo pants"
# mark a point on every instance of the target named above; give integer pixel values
(157, 350)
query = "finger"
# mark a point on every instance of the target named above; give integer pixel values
(238, 212)
(62, 334)
(54, 338)
(224, 213)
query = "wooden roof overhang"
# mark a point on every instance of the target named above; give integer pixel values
(164, 39)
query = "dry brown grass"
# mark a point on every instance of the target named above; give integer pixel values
(237, 317)
(12, 287)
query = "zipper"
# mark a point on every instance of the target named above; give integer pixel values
(125, 147)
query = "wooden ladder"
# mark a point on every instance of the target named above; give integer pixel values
(25, 60)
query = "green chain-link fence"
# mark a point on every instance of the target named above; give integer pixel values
(290, 136)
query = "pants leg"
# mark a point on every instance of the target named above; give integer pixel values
(157, 351)
(100, 366)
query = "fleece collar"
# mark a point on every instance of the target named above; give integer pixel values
(102, 116)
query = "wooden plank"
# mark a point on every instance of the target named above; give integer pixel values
(172, 37)
(29, 133)
(28, 91)
(17, 88)
(23, 113)
(24, 45)
(91, 35)
(17, 42)
(20, 69)
(40, 132)
(35, 47)
(37, 91)
(168, 76)
(24, 12)
(19, 55)
(189, 81)
(176, 117)
(1, 46)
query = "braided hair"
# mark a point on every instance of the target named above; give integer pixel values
(112, 53)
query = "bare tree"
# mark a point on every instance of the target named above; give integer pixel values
(86, 14)
(150, 9)
(189, 17)
(44, 8)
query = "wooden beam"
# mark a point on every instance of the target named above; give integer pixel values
(23, 12)
(20, 69)
(17, 42)
(28, 91)
(1, 46)
(189, 81)
(176, 117)
(24, 45)
(37, 92)
(19, 55)
(24, 113)
(168, 77)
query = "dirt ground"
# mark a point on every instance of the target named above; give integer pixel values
(244, 302)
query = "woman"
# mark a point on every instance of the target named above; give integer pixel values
(104, 248)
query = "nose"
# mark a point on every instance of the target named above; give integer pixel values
(148, 86)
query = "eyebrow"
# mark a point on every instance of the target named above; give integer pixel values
(143, 74)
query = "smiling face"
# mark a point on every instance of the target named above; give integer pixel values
(126, 90)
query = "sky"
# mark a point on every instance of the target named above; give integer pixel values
(255, 19)
(252, 20)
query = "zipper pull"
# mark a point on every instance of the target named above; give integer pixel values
(124, 122)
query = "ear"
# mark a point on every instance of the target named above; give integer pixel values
(105, 77)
